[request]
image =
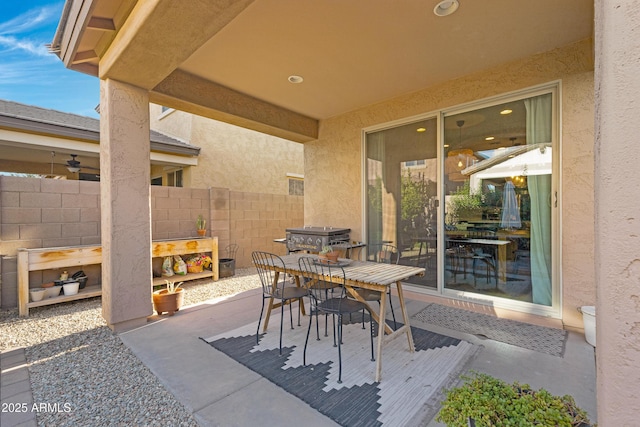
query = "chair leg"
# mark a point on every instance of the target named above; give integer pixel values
(339, 349)
(306, 341)
(281, 323)
(373, 357)
(393, 315)
(291, 313)
(260, 321)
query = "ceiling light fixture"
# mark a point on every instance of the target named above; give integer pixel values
(421, 130)
(458, 159)
(506, 111)
(295, 79)
(490, 138)
(446, 7)
(73, 165)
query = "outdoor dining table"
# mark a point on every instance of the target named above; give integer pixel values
(501, 249)
(365, 275)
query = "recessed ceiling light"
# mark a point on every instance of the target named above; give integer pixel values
(446, 145)
(490, 138)
(295, 79)
(446, 7)
(421, 130)
(506, 111)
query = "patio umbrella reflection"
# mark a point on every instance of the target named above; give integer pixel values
(510, 209)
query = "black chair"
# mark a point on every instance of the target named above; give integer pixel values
(388, 254)
(330, 300)
(276, 286)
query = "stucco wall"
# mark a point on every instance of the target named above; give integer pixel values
(243, 160)
(232, 157)
(333, 195)
(617, 85)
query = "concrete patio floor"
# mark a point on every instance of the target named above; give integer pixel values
(221, 392)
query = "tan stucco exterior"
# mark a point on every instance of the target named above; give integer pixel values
(617, 207)
(232, 157)
(334, 194)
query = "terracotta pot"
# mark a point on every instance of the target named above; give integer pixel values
(202, 232)
(331, 256)
(164, 302)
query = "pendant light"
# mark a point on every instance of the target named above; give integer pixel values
(458, 159)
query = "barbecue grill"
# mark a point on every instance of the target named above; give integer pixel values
(312, 239)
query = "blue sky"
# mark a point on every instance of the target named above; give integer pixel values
(29, 74)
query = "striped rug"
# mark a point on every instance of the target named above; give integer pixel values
(410, 390)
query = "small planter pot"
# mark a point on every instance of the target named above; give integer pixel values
(164, 302)
(71, 288)
(330, 256)
(202, 233)
(37, 294)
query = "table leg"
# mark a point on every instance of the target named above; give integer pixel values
(502, 262)
(271, 306)
(375, 316)
(405, 316)
(381, 327)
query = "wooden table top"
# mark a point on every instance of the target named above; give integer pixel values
(364, 271)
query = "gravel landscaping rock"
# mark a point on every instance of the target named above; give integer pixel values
(82, 374)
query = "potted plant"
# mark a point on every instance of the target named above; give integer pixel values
(327, 253)
(201, 226)
(168, 300)
(485, 400)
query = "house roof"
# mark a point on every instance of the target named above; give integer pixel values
(32, 119)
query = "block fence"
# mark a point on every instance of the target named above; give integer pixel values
(42, 213)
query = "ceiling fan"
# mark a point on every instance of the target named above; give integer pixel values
(73, 165)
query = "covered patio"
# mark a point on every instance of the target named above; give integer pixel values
(321, 73)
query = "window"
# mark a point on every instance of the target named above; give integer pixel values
(174, 179)
(296, 187)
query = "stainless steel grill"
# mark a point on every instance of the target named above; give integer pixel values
(314, 238)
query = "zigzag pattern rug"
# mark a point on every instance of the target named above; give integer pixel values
(410, 390)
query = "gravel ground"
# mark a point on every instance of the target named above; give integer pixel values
(76, 362)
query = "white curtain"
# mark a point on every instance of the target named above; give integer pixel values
(539, 130)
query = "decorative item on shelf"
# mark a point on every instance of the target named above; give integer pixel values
(168, 300)
(52, 291)
(37, 294)
(64, 275)
(327, 253)
(81, 278)
(70, 288)
(201, 226)
(197, 263)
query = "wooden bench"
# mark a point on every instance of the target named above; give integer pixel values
(76, 256)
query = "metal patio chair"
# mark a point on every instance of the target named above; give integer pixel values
(276, 286)
(330, 300)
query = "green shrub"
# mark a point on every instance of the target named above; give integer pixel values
(492, 402)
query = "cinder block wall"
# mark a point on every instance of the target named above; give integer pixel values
(256, 219)
(36, 213)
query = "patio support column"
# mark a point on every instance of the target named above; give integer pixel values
(617, 222)
(125, 204)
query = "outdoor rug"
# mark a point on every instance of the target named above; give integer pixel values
(410, 390)
(533, 337)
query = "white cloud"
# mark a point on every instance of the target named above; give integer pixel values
(28, 22)
(29, 46)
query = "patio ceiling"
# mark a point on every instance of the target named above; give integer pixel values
(231, 60)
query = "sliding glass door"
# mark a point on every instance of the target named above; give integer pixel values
(498, 195)
(477, 212)
(402, 186)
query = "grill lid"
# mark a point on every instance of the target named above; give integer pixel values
(318, 231)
